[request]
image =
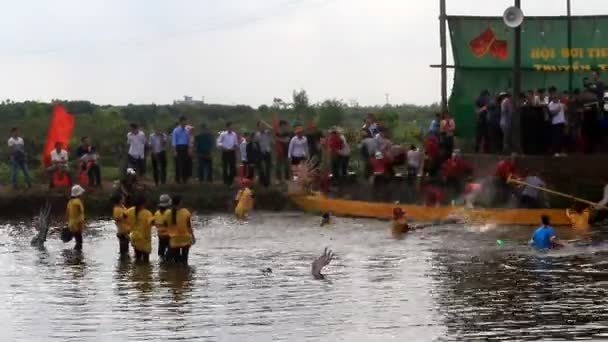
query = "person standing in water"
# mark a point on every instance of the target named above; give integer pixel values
(243, 200)
(141, 220)
(545, 237)
(180, 232)
(161, 222)
(399, 224)
(75, 215)
(122, 227)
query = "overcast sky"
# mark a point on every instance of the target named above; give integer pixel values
(232, 51)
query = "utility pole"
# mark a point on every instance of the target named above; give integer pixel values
(570, 71)
(387, 95)
(516, 119)
(444, 60)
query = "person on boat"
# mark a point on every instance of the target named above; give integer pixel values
(244, 200)
(579, 216)
(600, 213)
(504, 169)
(180, 232)
(161, 222)
(545, 237)
(531, 196)
(455, 170)
(122, 227)
(399, 224)
(75, 216)
(140, 219)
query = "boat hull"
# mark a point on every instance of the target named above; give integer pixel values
(341, 207)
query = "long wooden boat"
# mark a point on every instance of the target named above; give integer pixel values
(320, 204)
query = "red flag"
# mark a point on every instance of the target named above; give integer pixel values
(480, 45)
(60, 130)
(499, 49)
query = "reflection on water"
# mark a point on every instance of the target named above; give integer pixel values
(442, 283)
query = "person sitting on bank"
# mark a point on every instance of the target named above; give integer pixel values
(399, 224)
(59, 163)
(89, 157)
(545, 237)
(579, 216)
(531, 196)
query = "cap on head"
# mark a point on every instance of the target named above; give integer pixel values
(164, 201)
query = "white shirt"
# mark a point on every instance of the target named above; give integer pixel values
(243, 150)
(531, 192)
(557, 112)
(158, 142)
(345, 151)
(298, 147)
(62, 156)
(227, 140)
(604, 200)
(137, 144)
(16, 144)
(413, 159)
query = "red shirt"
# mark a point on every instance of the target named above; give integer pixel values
(433, 195)
(504, 168)
(334, 142)
(378, 165)
(456, 168)
(431, 147)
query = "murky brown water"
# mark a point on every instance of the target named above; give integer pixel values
(442, 283)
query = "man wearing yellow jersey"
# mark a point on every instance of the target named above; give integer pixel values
(579, 217)
(162, 218)
(243, 200)
(180, 231)
(122, 226)
(75, 215)
(399, 224)
(140, 219)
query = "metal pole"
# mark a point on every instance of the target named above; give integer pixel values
(570, 71)
(442, 42)
(516, 119)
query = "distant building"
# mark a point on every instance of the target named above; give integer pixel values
(189, 100)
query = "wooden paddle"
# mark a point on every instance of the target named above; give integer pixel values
(557, 193)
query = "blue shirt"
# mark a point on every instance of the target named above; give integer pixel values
(541, 239)
(180, 136)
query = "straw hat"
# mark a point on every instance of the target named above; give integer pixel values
(77, 191)
(164, 201)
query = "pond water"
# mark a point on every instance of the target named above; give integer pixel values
(440, 283)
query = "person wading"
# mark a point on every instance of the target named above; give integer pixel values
(122, 227)
(162, 218)
(140, 219)
(75, 216)
(545, 237)
(227, 142)
(181, 143)
(180, 232)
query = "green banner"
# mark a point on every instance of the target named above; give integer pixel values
(483, 57)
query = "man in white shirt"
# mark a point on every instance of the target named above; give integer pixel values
(16, 150)
(137, 149)
(298, 148)
(414, 157)
(158, 145)
(59, 163)
(558, 122)
(530, 196)
(228, 142)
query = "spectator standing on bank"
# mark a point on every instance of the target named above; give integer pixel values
(283, 138)
(434, 126)
(481, 140)
(17, 156)
(344, 154)
(558, 121)
(506, 114)
(598, 86)
(181, 142)
(158, 145)
(136, 139)
(298, 148)
(335, 144)
(494, 132)
(204, 151)
(447, 128)
(227, 142)
(254, 154)
(313, 136)
(369, 147)
(264, 139)
(414, 157)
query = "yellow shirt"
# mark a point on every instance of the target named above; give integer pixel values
(180, 231)
(141, 229)
(244, 199)
(399, 227)
(118, 214)
(75, 214)
(161, 222)
(579, 221)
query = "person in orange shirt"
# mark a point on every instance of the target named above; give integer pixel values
(399, 224)
(579, 216)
